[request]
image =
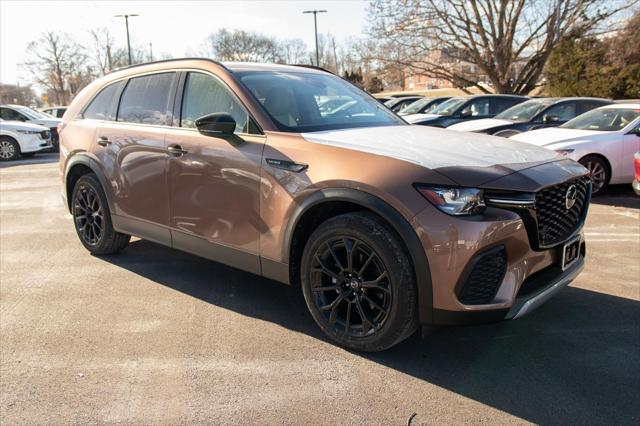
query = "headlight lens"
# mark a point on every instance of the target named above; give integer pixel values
(564, 152)
(454, 201)
(28, 132)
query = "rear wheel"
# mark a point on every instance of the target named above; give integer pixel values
(600, 174)
(9, 149)
(358, 283)
(92, 218)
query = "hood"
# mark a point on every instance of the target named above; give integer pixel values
(482, 124)
(415, 118)
(19, 125)
(549, 136)
(47, 122)
(449, 152)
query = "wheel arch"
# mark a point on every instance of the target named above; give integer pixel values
(79, 165)
(327, 203)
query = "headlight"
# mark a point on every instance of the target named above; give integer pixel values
(564, 152)
(29, 132)
(454, 201)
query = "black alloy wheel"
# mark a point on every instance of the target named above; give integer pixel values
(88, 215)
(358, 282)
(350, 286)
(92, 218)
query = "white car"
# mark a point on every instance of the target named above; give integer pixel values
(603, 140)
(28, 115)
(25, 139)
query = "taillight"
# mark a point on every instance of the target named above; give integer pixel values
(636, 166)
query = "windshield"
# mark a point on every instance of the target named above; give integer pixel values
(524, 111)
(32, 114)
(603, 119)
(449, 107)
(309, 102)
(416, 107)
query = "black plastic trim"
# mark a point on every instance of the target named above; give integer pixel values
(84, 159)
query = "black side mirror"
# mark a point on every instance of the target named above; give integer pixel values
(465, 113)
(550, 118)
(216, 124)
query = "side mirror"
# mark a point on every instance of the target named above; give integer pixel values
(550, 118)
(216, 124)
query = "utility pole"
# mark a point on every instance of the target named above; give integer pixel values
(126, 23)
(315, 25)
(150, 52)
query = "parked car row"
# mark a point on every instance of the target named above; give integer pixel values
(20, 113)
(22, 139)
(599, 133)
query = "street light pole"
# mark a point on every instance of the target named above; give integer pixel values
(315, 26)
(126, 23)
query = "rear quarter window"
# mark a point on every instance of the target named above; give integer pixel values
(145, 99)
(104, 105)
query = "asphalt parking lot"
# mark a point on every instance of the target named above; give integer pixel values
(155, 336)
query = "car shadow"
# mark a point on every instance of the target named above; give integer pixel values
(575, 360)
(44, 158)
(619, 196)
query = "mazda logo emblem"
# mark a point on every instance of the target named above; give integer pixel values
(570, 197)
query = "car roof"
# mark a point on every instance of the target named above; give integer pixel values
(491, 95)
(622, 106)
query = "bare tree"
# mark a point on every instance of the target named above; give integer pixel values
(238, 45)
(507, 42)
(57, 63)
(104, 54)
(293, 51)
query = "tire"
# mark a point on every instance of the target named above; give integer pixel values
(92, 219)
(378, 284)
(506, 133)
(600, 173)
(9, 149)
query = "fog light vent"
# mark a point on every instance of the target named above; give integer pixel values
(482, 277)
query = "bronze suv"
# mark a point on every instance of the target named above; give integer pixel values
(294, 174)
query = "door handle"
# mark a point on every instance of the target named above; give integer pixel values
(103, 141)
(176, 150)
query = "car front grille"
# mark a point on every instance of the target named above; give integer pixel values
(555, 221)
(546, 217)
(482, 278)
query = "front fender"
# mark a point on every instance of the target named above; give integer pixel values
(399, 223)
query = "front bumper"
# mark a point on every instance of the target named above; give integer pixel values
(34, 143)
(452, 244)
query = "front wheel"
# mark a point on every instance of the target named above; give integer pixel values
(599, 171)
(9, 149)
(358, 283)
(92, 218)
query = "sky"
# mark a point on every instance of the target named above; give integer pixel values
(174, 27)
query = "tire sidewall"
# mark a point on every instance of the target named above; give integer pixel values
(91, 182)
(403, 313)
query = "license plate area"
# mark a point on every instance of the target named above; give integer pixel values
(570, 252)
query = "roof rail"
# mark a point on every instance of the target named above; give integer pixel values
(163, 61)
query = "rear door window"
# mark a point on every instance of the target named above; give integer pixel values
(501, 104)
(145, 100)
(104, 105)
